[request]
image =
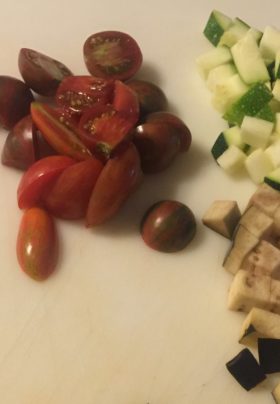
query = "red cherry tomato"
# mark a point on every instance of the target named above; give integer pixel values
(38, 179)
(117, 181)
(168, 226)
(78, 93)
(40, 72)
(126, 102)
(68, 198)
(62, 139)
(102, 129)
(37, 244)
(112, 54)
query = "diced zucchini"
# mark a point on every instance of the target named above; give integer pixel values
(270, 43)
(255, 131)
(273, 152)
(219, 74)
(228, 92)
(232, 159)
(248, 60)
(249, 104)
(231, 136)
(215, 26)
(258, 165)
(266, 113)
(256, 34)
(277, 65)
(271, 70)
(234, 32)
(213, 58)
(276, 90)
(277, 122)
(273, 179)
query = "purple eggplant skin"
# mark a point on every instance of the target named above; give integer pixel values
(40, 72)
(15, 100)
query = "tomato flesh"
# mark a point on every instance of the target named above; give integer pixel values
(168, 226)
(37, 244)
(77, 93)
(62, 139)
(38, 179)
(126, 102)
(112, 54)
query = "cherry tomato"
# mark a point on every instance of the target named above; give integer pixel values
(78, 93)
(68, 198)
(170, 119)
(158, 144)
(151, 98)
(40, 72)
(102, 129)
(62, 139)
(41, 146)
(168, 226)
(37, 244)
(117, 181)
(112, 54)
(39, 178)
(18, 150)
(126, 102)
(15, 100)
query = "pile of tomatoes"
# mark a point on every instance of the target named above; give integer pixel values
(84, 149)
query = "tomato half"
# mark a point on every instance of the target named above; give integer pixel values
(118, 179)
(62, 139)
(102, 129)
(112, 54)
(68, 198)
(41, 72)
(78, 93)
(37, 244)
(38, 179)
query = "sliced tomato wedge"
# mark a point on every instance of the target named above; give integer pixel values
(118, 179)
(62, 139)
(112, 54)
(39, 178)
(78, 93)
(103, 129)
(126, 102)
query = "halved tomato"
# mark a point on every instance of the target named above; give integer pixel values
(68, 198)
(78, 93)
(63, 140)
(39, 178)
(118, 179)
(112, 54)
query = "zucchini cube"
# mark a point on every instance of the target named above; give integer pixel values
(269, 354)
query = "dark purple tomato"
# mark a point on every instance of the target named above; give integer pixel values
(171, 119)
(15, 100)
(168, 226)
(158, 144)
(112, 54)
(40, 72)
(151, 98)
(18, 150)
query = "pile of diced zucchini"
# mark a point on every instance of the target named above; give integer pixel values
(242, 72)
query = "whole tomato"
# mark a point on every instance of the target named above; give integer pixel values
(37, 244)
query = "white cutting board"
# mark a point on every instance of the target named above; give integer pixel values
(119, 323)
